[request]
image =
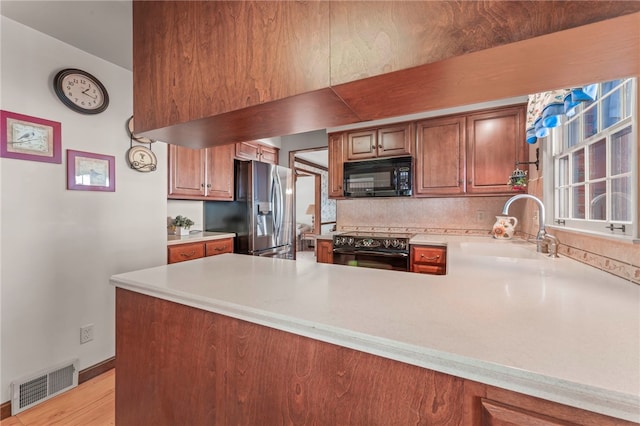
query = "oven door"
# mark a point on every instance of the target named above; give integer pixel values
(371, 259)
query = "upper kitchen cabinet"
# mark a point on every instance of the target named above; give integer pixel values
(495, 142)
(470, 154)
(201, 174)
(213, 72)
(440, 156)
(257, 152)
(383, 142)
(207, 73)
(336, 165)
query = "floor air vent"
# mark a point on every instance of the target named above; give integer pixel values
(35, 388)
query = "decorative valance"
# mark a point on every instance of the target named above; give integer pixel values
(546, 109)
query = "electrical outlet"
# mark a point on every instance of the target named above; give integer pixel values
(479, 215)
(86, 333)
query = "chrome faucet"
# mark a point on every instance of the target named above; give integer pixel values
(541, 246)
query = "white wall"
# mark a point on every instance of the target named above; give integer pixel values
(192, 209)
(307, 140)
(305, 195)
(59, 247)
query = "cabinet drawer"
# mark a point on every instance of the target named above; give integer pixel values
(428, 269)
(429, 255)
(182, 252)
(219, 246)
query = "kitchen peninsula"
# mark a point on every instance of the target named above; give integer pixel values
(507, 334)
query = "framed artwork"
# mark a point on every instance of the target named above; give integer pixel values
(30, 138)
(87, 171)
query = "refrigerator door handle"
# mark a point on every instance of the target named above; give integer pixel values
(279, 214)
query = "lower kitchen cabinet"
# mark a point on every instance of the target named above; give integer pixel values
(324, 251)
(189, 251)
(428, 260)
(336, 387)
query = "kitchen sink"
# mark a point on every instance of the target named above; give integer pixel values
(504, 249)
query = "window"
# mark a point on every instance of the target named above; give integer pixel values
(595, 163)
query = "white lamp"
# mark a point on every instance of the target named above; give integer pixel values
(311, 210)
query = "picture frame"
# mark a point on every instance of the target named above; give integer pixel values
(30, 138)
(88, 171)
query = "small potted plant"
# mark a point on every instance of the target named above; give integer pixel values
(182, 224)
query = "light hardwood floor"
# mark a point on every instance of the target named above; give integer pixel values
(90, 404)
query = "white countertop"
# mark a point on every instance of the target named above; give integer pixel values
(195, 237)
(503, 315)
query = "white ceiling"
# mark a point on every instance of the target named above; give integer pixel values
(102, 28)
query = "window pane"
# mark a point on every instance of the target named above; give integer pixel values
(598, 197)
(563, 202)
(621, 152)
(578, 202)
(609, 86)
(590, 119)
(612, 109)
(621, 199)
(598, 160)
(563, 171)
(628, 98)
(578, 166)
(573, 133)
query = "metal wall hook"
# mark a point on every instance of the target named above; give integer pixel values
(537, 162)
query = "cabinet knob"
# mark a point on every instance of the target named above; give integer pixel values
(202, 185)
(373, 147)
(208, 185)
(380, 146)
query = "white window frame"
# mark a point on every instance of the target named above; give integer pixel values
(553, 150)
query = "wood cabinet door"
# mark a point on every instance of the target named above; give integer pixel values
(247, 151)
(269, 154)
(216, 247)
(186, 172)
(440, 157)
(495, 142)
(220, 172)
(362, 144)
(395, 140)
(336, 165)
(181, 252)
(324, 251)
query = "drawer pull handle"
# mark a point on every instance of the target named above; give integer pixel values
(188, 254)
(220, 248)
(430, 258)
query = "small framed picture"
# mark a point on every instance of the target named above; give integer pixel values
(87, 171)
(30, 138)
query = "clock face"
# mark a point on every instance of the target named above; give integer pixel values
(81, 91)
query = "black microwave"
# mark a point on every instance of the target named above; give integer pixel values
(389, 177)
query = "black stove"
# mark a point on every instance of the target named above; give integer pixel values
(389, 242)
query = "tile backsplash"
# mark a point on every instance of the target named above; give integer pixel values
(476, 216)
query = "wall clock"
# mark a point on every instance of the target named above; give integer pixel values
(81, 91)
(142, 159)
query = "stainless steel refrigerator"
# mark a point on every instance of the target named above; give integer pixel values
(262, 213)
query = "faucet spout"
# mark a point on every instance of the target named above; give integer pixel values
(541, 215)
